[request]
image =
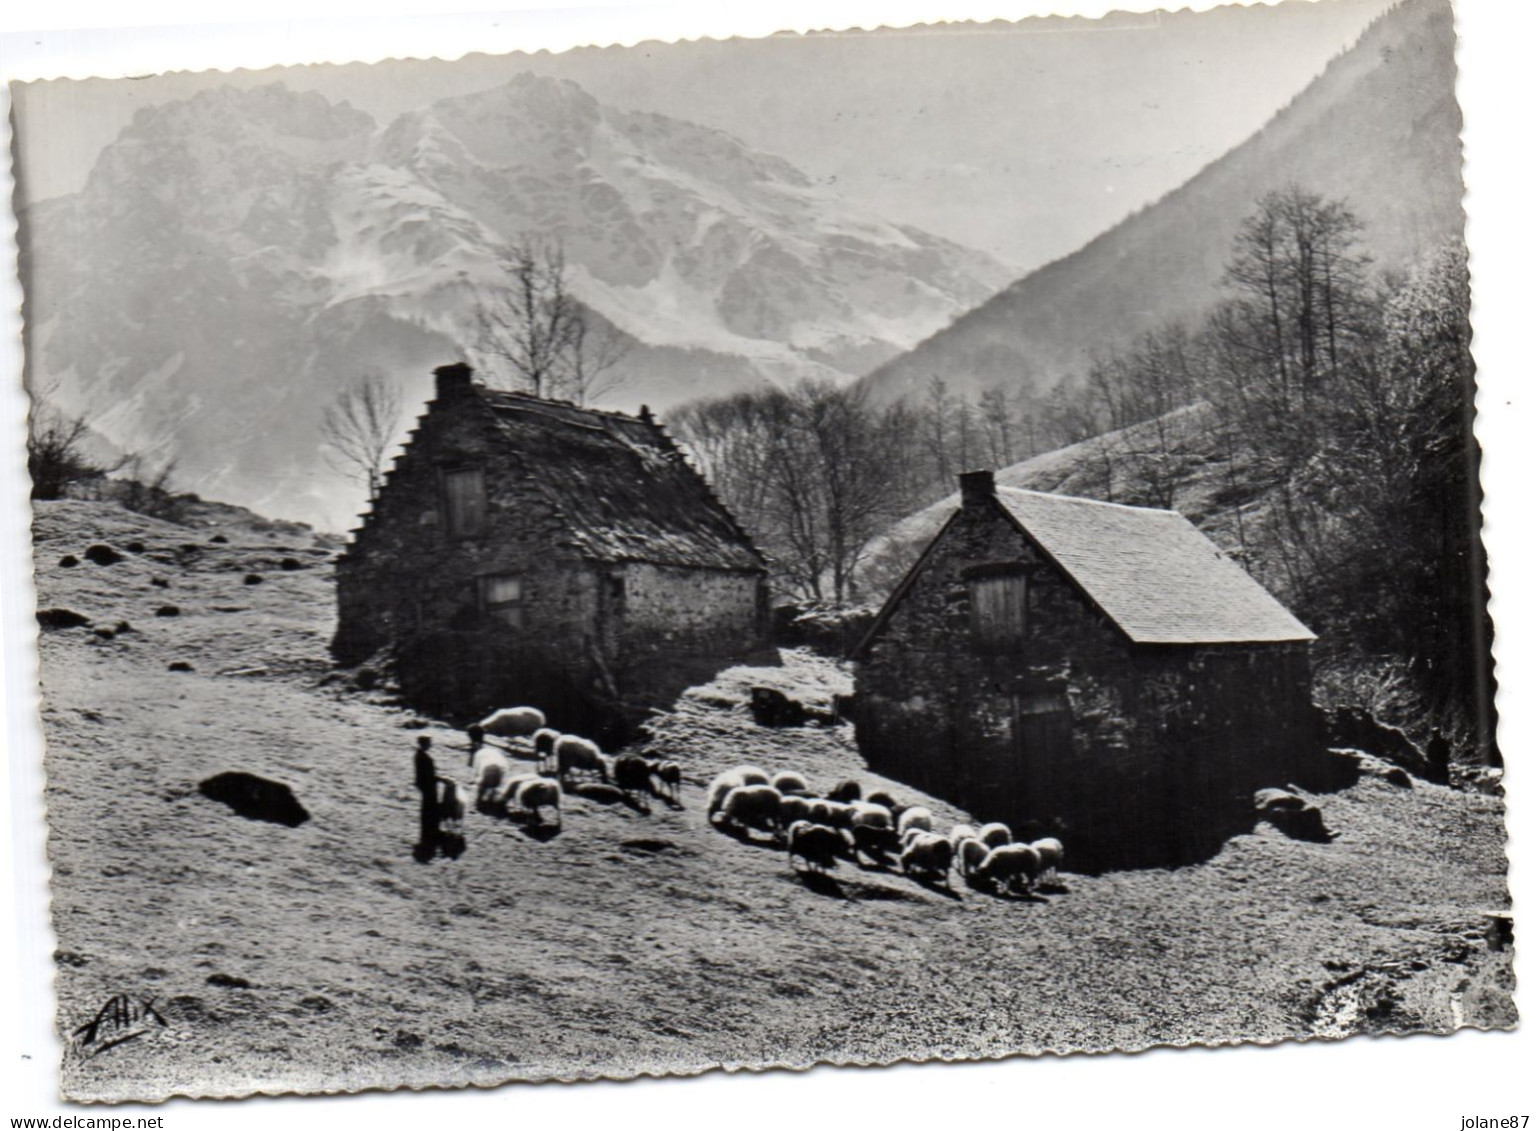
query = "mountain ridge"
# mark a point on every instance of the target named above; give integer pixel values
(239, 256)
(1379, 126)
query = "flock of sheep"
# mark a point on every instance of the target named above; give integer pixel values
(819, 830)
(498, 787)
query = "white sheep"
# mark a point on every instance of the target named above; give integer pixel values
(513, 722)
(885, 799)
(817, 845)
(788, 781)
(729, 780)
(916, 817)
(574, 754)
(794, 808)
(1013, 866)
(866, 814)
(969, 853)
(871, 829)
(536, 794)
(508, 788)
(847, 790)
(753, 807)
(928, 854)
(960, 833)
(489, 769)
(1050, 854)
(995, 834)
(821, 811)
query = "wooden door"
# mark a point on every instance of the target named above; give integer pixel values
(1041, 729)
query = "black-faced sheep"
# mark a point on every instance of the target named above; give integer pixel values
(513, 722)
(753, 775)
(847, 790)
(1012, 866)
(575, 754)
(535, 794)
(633, 774)
(995, 834)
(817, 845)
(752, 807)
(885, 799)
(928, 854)
(788, 781)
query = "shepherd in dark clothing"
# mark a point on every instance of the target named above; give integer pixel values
(426, 774)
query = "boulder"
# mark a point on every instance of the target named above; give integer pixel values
(53, 619)
(255, 798)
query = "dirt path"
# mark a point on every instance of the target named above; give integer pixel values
(325, 957)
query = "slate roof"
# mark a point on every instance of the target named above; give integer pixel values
(625, 491)
(1153, 573)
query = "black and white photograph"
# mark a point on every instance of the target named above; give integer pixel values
(839, 546)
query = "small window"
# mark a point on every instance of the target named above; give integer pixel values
(997, 606)
(503, 598)
(465, 502)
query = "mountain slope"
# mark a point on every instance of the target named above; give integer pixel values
(637, 938)
(237, 257)
(1380, 128)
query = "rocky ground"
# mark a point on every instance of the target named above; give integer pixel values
(639, 939)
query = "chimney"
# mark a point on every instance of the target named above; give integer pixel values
(451, 381)
(978, 487)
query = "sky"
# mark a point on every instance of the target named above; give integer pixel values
(1021, 139)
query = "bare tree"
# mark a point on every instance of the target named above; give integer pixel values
(147, 488)
(531, 327)
(359, 428)
(56, 451)
(815, 472)
(589, 368)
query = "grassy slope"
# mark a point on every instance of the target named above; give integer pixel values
(633, 942)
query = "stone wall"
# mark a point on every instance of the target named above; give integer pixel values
(1129, 754)
(590, 640)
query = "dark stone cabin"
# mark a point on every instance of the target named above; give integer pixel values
(524, 550)
(1097, 672)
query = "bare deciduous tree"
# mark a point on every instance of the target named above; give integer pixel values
(533, 329)
(359, 428)
(56, 451)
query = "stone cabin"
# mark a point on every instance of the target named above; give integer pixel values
(530, 551)
(1097, 672)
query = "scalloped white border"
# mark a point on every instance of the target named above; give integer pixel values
(1412, 1082)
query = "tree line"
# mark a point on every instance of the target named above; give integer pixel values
(1332, 402)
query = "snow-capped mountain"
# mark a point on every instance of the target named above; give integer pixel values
(237, 257)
